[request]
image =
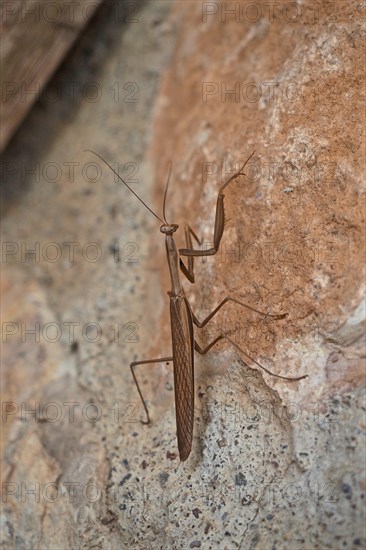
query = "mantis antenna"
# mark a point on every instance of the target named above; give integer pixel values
(166, 191)
(123, 181)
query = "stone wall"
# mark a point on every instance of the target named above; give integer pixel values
(274, 463)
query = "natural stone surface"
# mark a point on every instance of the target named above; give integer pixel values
(274, 464)
(53, 203)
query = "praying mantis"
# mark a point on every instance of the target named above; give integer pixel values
(182, 318)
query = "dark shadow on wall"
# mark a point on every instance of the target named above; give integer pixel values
(61, 98)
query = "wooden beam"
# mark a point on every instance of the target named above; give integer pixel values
(35, 36)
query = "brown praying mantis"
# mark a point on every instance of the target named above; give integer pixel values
(182, 317)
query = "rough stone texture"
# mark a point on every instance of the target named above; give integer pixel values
(274, 464)
(59, 203)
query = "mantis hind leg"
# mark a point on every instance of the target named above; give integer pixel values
(201, 324)
(198, 348)
(146, 362)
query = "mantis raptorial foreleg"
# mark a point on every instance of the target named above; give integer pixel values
(189, 272)
(219, 221)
